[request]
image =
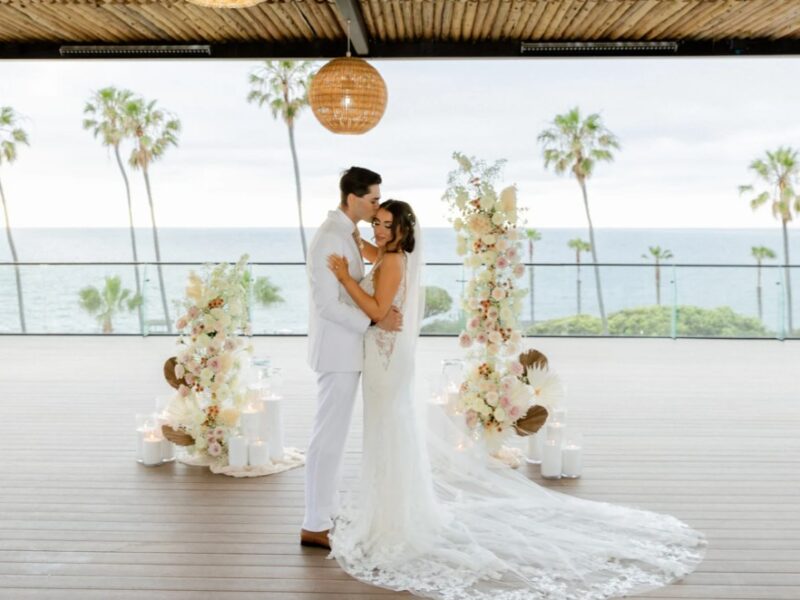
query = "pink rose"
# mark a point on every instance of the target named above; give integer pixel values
(189, 378)
(183, 390)
(214, 364)
(472, 419)
(481, 338)
(498, 293)
(519, 270)
(512, 253)
(465, 340)
(180, 371)
(505, 401)
(193, 312)
(214, 449)
(181, 323)
(514, 413)
(502, 263)
(517, 368)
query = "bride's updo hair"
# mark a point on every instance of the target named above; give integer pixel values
(403, 222)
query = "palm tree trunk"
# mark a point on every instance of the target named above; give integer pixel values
(20, 301)
(758, 292)
(530, 279)
(658, 284)
(133, 236)
(158, 251)
(787, 273)
(594, 258)
(297, 186)
(578, 280)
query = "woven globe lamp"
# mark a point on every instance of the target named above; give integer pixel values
(348, 96)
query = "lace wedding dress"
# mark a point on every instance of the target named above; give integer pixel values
(447, 523)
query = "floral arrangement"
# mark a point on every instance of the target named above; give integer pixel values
(497, 390)
(209, 398)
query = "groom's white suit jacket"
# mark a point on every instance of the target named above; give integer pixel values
(336, 326)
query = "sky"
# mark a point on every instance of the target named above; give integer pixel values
(689, 128)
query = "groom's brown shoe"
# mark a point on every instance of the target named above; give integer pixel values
(318, 539)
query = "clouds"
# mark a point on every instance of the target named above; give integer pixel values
(689, 128)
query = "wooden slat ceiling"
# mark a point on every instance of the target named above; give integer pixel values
(318, 25)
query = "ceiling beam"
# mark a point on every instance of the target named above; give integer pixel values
(324, 49)
(351, 11)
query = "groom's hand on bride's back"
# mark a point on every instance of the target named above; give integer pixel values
(393, 321)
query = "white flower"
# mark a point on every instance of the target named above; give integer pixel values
(546, 386)
(458, 224)
(498, 293)
(489, 239)
(498, 218)
(499, 414)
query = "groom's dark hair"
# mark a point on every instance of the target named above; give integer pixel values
(356, 180)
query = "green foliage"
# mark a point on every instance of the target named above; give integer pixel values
(577, 325)
(108, 302)
(444, 327)
(437, 301)
(652, 321)
(265, 292)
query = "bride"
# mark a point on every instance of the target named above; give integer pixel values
(447, 523)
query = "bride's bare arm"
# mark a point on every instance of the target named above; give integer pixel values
(391, 273)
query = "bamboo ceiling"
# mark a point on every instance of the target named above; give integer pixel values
(319, 27)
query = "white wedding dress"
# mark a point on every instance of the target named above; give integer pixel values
(450, 524)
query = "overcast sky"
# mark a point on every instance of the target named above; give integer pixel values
(688, 127)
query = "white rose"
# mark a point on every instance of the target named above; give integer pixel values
(458, 224)
(498, 218)
(499, 414)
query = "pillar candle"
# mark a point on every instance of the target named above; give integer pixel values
(272, 406)
(534, 449)
(551, 459)
(555, 431)
(151, 450)
(571, 461)
(258, 453)
(237, 451)
(251, 422)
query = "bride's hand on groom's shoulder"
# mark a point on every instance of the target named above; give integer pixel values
(339, 266)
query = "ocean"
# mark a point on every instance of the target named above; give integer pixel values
(51, 291)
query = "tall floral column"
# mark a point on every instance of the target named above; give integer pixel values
(493, 394)
(210, 395)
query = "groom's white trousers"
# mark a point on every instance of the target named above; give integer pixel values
(336, 394)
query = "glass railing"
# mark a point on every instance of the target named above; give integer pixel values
(716, 301)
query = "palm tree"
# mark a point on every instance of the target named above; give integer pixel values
(283, 86)
(579, 246)
(760, 253)
(576, 145)
(657, 254)
(779, 172)
(533, 235)
(109, 301)
(266, 293)
(106, 119)
(153, 131)
(11, 134)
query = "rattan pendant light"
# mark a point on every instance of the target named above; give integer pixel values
(348, 95)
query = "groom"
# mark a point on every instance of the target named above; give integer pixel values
(336, 330)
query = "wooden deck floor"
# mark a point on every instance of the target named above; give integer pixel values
(704, 430)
